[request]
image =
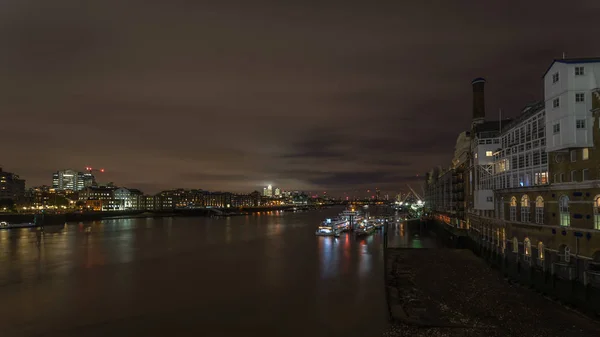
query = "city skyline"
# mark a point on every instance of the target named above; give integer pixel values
(311, 100)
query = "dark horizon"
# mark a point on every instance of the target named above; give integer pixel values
(232, 95)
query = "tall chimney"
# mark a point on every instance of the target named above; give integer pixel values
(478, 100)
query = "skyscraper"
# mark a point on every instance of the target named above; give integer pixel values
(72, 180)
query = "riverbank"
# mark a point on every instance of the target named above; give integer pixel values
(52, 219)
(452, 292)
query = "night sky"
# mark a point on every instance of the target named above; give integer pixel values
(231, 95)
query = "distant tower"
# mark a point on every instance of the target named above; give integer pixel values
(478, 100)
(269, 191)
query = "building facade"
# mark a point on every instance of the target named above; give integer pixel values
(72, 180)
(11, 186)
(536, 197)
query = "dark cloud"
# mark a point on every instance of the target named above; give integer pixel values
(231, 94)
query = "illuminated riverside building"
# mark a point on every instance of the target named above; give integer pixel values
(532, 184)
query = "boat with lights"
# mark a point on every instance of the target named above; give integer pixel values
(364, 228)
(332, 227)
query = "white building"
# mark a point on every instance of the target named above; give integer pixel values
(129, 199)
(522, 159)
(568, 87)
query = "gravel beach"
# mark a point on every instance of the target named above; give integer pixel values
(444, 292)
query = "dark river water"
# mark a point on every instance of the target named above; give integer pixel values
(264, 275)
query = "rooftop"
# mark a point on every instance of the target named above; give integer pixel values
(528, 111)
(573, 61)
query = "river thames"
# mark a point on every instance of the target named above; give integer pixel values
(261, 274)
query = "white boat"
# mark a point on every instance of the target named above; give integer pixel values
(333, 227)
(327, 231)
(6, 225)
(352, 215)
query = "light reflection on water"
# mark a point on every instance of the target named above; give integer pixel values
(270, 266)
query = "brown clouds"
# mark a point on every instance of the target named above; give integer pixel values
(229, 95)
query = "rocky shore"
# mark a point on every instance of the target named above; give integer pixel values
(446, 292)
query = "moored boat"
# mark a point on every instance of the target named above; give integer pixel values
(327, 231)
(364, 228)
(6, 225)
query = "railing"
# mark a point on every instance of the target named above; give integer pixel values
(592, 278)
(563, 270)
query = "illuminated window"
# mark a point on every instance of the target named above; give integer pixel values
(597, 212)
(525, 208)
(585, 153)
(488, 153)
(563, 208)
(513, 209)
(539, 210)
(540, 250)
(515, 245)
(527, 246)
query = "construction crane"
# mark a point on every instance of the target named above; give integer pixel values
(414, 193)
(91, 169)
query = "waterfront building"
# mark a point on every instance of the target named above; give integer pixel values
(12, 187)
(277, 192)
(129, 199)
(100, 198)
(533, 185)
(147, 203)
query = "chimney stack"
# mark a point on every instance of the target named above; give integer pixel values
(478, 100)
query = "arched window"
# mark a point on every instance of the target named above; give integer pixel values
(540, 250)
(525, 208)
(597, 212)
(564, 253)
(539, 210)
(563, 209)
(515, 245)
(527, 246)
(513, 209)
